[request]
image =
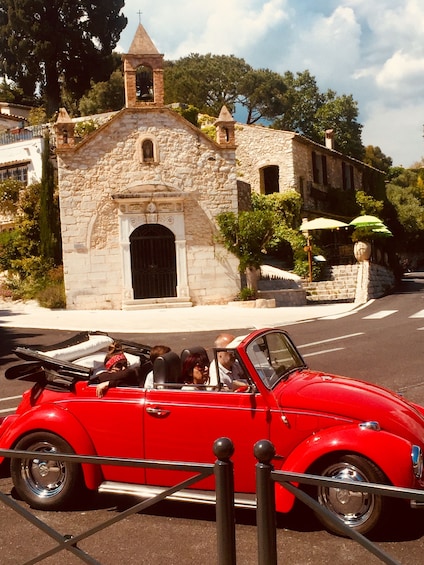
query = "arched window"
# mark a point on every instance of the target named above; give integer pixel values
(147, 149)
(144, 84)
(269, 179)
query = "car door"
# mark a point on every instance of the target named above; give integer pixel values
(114, 424)
(183, 425)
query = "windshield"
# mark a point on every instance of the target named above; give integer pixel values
(274, 357)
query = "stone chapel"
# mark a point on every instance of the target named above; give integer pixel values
(138, 198)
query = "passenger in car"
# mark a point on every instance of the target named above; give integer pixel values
(115, 362)
(155, 352)
(195, 371)
(231, 375)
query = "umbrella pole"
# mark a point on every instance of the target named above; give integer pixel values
(308, 250)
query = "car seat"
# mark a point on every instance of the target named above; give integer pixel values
(167, 370)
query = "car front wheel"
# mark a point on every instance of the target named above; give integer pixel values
(43, 481)
(360, 511)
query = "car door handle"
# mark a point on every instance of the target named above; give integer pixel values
(158, 412)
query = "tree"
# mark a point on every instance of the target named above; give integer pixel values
(303, 99)
(262, 94)
(247, 236)
(376, 158)
(207, 82)
(49, 46)
(105, 96)
(340, 114)
(311, 112)
(50, 248)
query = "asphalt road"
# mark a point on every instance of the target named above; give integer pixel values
(382, 344)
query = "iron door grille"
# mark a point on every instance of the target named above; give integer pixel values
(153, 262)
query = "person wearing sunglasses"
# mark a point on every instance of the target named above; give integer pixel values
(195, 372)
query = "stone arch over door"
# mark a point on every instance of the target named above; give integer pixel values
(153, 262)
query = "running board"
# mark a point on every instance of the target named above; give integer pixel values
(241, 500)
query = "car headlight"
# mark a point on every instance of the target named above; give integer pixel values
(417, 461)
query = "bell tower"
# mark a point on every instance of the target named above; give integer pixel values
(143, 72)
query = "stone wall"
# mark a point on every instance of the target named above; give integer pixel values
(373, 281)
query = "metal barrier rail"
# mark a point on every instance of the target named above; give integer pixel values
(224, 487)
(266, 477)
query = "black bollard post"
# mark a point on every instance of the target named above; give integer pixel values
(264, 451)
(223, 448)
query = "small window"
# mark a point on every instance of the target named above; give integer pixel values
(148, 151)
(347, 177)
(319, 168)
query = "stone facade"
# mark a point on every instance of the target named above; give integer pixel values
(279, 161)
(107, 191)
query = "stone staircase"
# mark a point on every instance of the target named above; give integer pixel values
(340, 286)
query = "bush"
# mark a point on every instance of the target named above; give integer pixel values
(53, 296)
(246, 294)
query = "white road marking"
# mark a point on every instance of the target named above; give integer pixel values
(7, 410)
(329, 340)
(10, 398)
(379, 315)
(322, 351)
(419, 314)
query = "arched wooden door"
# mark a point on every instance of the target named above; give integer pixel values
(153, 262)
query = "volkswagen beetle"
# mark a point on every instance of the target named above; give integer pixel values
(319, 423)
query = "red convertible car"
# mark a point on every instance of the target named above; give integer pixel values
(319, 423)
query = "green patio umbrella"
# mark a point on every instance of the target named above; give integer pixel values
(366, 221)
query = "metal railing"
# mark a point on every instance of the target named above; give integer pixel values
(224, 487)
(223, 448)
(266, 477)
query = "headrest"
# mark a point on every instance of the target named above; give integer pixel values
(167, 368)
(196, 349)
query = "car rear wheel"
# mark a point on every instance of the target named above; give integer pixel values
(360, 511)
(44, 482)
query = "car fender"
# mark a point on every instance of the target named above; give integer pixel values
(59, 421)
(391, 453)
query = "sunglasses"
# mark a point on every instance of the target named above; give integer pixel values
(201, 366)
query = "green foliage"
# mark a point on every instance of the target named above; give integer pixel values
(37, 116)
(52, 295)
(376, 158)
(287, 205)
(105, 96)
(368, 204)
(82, 129)
(246, 293)
(49, 224)
(261, 92)
(207, 82)
(310, 113)
(190, 113)
(48, 47)
(9, 195)
(247, 236)
(409, 205)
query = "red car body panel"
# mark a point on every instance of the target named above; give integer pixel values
(308, 416)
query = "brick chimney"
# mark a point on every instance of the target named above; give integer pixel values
(329, 138)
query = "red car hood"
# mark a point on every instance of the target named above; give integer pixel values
(323, 393)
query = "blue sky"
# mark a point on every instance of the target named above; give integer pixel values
(372, 50)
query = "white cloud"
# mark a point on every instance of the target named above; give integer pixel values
(372, 50)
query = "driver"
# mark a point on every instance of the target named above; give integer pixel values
(231, 375)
